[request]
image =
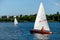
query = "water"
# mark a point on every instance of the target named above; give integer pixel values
(9, 31)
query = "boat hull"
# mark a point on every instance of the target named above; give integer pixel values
(39, 31)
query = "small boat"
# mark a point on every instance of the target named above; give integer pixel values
(15, 21)
(41, 25)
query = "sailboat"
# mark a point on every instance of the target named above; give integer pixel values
(41, 25)
(15, 21)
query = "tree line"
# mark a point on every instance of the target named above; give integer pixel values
(31, 18)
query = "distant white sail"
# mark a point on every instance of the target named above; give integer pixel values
(15, 21)
(41, 20)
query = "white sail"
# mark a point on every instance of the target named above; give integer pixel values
(15, 21)
(41, 20)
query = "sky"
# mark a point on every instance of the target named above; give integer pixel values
(27, 7)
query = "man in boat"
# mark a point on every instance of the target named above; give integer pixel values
(42, 31)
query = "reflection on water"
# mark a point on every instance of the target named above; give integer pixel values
(15, 24)
(41, 36)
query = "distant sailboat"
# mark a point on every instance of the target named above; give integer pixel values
(15, 21)
(41, 25)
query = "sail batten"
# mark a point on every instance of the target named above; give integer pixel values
(41, 20)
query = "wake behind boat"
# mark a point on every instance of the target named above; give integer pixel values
(41, 25)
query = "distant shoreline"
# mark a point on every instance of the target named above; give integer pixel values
(30, 18)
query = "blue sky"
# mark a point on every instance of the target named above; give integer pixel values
(17, 7)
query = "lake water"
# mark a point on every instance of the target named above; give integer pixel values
(9, 31)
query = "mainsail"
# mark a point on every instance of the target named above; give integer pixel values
(41, 20)
(15, 21)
